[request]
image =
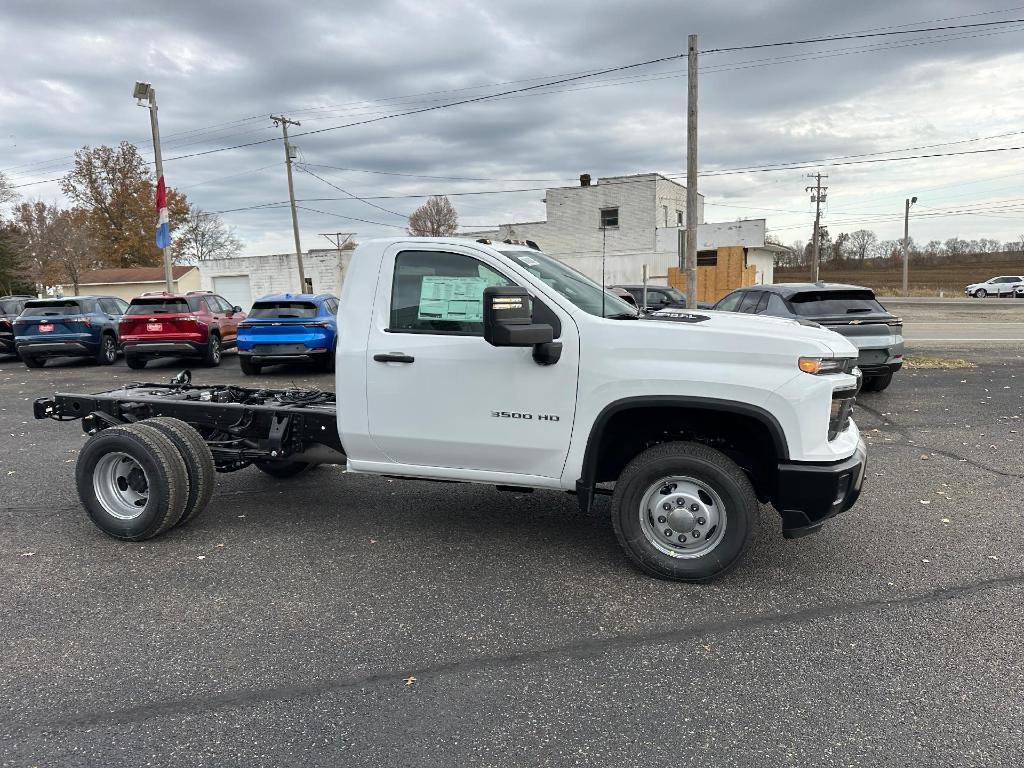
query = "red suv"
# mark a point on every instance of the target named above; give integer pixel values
(198, 324)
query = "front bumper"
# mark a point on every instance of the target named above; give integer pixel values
(807, 495)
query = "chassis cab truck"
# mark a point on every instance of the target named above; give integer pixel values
(489, 362)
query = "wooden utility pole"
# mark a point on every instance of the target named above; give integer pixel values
(339, 240)
(818, 196)
(690, 261)
(906, 241)
(284, 122)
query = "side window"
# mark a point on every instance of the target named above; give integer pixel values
(731, 302)
(776, 306)
(225, 305)
(122, 306)
(655, 298)
(762, 305)
(438, 292)
(196, 304)
(108, 307)
(749, 302)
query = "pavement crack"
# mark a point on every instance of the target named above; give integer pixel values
(578, 650)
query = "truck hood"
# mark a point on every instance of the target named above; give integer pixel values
(759, 331)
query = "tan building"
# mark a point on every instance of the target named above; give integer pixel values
(129, 283)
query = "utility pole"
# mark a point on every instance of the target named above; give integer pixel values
(690, 260)
(339, 240)
(284, 122)
(148, 92)
(906, 241)
(817, 197)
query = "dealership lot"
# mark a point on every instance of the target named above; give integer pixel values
(338, 619)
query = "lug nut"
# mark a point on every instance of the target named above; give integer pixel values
(680, 502)
(701, 521)
(682, 538)
(668, 532)
(661, 519)
(695, 533)
(666, 506)
(694, 507)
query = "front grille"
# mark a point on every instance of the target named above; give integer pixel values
(842, 411)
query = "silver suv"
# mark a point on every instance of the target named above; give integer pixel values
(1006, 285)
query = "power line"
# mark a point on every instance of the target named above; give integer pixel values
(833, 38)
(354, 197)
(352, 218)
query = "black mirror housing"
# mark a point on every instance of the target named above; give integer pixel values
(508, 321)
(237, 309)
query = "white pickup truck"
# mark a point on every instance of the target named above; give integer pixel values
(490, 362)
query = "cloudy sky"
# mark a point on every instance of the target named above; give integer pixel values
(220, 68)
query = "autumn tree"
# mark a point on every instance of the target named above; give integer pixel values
(861, 243)
(116, 188)
(204, 236)
(36, 234)
(7, 193)
(74, 249)
(12, 271)
(435, 218)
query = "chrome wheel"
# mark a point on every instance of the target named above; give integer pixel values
(214, 349)
(121, 485)
(683, 517)
(109, 349)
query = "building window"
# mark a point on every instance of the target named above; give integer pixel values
(679, 218)
(707, 258)
(609, 218)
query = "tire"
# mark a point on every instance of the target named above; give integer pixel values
(249, 368)
(213, 351)
(981, 293)
(877, 383)
(326, 362)
(107, 354)
(155, 487)
(686, 476)
(33, 362)
(135, 362)
(202, 474)
(283, 469)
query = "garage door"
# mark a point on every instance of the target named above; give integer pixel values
(234, 288)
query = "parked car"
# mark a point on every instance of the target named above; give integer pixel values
(1006, 285)
(658, 296)
(74, 326)
(289, 326)
(849, 310)
(10, 308)
(198, 324)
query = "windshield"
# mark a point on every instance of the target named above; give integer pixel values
(44, 308)
(835, 303)
(158, 307)
(283, 309)
(9, 308)
(576, 287)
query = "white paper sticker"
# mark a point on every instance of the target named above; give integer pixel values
(460, 299)
(528, 261)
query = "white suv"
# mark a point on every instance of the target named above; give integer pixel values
(1006, 285)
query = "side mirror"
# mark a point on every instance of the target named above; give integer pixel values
(507, 319)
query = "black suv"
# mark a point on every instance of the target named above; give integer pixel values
(850, 310)
(10, 308)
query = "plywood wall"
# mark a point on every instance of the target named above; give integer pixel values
(713, 283)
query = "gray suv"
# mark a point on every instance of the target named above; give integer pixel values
(850, 310)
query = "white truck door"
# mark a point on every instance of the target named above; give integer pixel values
(438, 395)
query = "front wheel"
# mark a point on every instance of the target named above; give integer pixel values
(684, 511)
(877, 383)
(249, 366)
(213, 351)
(107, 353)
(981, 293)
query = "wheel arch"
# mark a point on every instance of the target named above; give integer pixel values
(627, 426)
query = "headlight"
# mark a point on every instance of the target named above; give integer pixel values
(823, 365)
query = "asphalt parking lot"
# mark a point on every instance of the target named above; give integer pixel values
(336, 619)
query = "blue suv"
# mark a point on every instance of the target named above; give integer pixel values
(74, 326)
(289, 326)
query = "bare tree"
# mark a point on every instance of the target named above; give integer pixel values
(73, 246)
(862, 242)
(7, 193)
(204, 236)
(36, 224)
(435, 218)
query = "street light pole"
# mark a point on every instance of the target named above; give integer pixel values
(148, 92)
(284, 122)
(906, 240)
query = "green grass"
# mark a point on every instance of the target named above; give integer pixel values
(931, 362)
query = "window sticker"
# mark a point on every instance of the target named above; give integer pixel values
(528, 260)
(452, 298)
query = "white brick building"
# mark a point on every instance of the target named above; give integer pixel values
(242, 279)
(626, 222)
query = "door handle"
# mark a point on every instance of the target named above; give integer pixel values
(393, 357)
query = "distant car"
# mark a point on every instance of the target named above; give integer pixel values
(10, 308)
(198, 324)
(1006, 285)
(74, 326)
(849, 310)
(289, 326)
(658, 297)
